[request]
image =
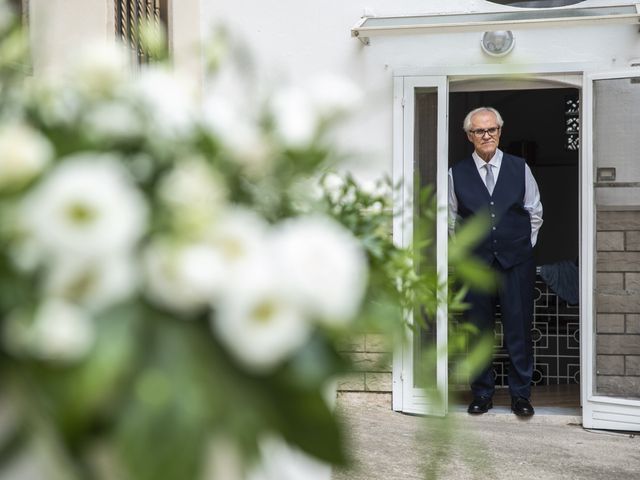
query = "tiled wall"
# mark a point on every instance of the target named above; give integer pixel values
(618, 303)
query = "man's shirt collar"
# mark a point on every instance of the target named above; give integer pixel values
(496, 160)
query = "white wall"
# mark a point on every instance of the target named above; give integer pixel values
(298, 39)
(185, 37)
(59, 27)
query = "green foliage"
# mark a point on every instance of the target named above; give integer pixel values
(139, 387)
(469, 269)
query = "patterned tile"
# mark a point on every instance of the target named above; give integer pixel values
(556, 341)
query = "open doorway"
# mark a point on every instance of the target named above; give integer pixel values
(542, 126)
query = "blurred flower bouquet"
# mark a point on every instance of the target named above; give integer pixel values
(173, 281)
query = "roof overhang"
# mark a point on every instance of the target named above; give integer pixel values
(503, 20)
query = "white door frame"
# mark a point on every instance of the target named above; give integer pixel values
(407, 399)
(598, 411)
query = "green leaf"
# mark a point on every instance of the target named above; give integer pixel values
(467, 237)
(307, 422)
(162, 429)
(477, 275)
(79, 395)
(11, 444)
(477, 358)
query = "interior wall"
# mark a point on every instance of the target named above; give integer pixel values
(535, 129)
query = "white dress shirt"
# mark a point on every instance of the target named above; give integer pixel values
(531, 194)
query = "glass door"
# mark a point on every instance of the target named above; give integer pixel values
(420, 161)
(611, 251)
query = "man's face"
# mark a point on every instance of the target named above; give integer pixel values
(485, 144)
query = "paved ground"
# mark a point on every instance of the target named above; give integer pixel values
(393, 446)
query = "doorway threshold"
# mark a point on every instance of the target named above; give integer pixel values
(554, 404)
(543, 415)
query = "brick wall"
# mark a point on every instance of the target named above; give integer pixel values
(372, 359)
(618, 303)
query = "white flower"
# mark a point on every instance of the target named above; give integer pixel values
(24, 153)
(238, 131)
(232, 127)
(202, 269)
(194, 192)
(256, 320)
(332, 94)
(280, 461)
(113, 121)
(60, 331)
(294, 116)
(332, 184)
(100, 68)
(304, 194)
(183, 278)
(88, 207)
(296, 111)
(324, 267)
(96, 284)
(166, 100)
(375, 187)
(55, 101)
(240, 234)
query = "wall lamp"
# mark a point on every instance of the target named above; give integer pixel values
(498, 43)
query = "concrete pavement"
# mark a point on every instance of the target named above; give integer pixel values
(394, 446)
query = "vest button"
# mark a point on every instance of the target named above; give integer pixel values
(495, 253)
(493, 228)
(493, 215)
(491, 203)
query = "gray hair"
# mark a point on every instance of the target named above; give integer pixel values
(466, 125)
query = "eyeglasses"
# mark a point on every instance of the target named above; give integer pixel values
(480, 132)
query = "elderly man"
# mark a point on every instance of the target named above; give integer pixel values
(499, 185)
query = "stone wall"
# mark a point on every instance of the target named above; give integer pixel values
(618, 303)
(372, 359)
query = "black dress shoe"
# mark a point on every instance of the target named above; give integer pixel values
(522, 407)
(480, 405)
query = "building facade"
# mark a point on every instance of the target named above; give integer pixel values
(568, 86)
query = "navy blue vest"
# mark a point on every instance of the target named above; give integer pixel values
(509, 240)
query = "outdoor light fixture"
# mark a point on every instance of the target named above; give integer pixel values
(498, 43)
(502, 21)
